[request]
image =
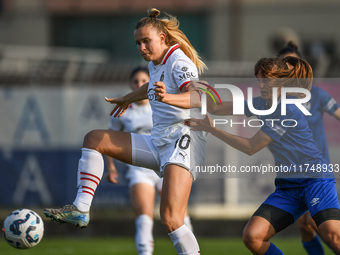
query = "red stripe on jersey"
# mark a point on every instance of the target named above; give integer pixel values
(84, 187)
(87, 179)
(91, 175)
(185, 83)
(87, 192)
(169, 53)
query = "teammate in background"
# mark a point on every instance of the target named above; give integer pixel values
(142, 181)
(296, 192)
(171, 148)
(320, 102)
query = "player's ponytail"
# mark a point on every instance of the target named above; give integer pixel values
(169, 26)
(154, 13)
(290, 49)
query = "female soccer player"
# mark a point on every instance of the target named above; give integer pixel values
(320, 102)
(291, 145)
(142, 181)
(171, 148)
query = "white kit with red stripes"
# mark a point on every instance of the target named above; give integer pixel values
(175, 71)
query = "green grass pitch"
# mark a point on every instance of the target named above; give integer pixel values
(126, 246)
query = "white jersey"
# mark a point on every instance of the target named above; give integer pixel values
(136, 119)
(175, 71)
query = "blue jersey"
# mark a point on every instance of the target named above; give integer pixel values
(293, 147)
(320, 102)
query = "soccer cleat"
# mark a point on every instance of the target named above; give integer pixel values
(68, 214)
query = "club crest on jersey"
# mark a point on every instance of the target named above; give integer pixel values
(151, 94)
(162, 77)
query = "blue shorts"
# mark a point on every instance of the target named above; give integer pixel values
(314, 197)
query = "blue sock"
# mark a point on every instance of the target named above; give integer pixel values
(313, 247)
(273, 250)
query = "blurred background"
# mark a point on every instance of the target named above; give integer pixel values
(60, 58)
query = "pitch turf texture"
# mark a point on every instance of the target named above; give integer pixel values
(126, 246)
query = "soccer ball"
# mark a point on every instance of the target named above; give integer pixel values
(23, 229)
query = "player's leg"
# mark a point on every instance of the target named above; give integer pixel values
(90, 171)
(119, 145)
(309, 237)
(275, 214)
(142, 196)
(142, 184)
(256, 235)
(175, 195)
(306, 231)
(330, 232)
(187, 219)
(322, 200)
(115, 144)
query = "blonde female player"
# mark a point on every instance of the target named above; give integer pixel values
(171, 148)
(292, 145)
(142, 181)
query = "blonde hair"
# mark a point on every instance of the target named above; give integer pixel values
(169, 26)
(294, 72)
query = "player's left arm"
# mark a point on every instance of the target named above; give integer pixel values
(249, 146)
(188, 98)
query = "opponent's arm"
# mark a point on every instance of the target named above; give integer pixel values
(248, 146)
(337, 114)
(226, 108)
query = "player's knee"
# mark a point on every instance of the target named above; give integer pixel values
(170, 221)
(333, 241)
(251, 239)
(305, 228)
(91, 139)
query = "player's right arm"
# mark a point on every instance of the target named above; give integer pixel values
(249, 146)
(122, 103)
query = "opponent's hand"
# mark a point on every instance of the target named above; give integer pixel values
(112, 176)
(205, 124)
(160, 90)
(120, 108)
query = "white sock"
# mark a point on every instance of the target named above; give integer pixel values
(144, 238)
(187, 222)
(184, 241)
(90, 172)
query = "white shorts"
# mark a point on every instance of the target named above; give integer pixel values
(137, 174)
(188, 152)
